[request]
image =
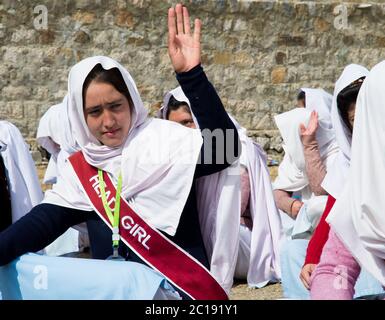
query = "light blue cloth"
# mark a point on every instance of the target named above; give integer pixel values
(293, 253)
(38, 277)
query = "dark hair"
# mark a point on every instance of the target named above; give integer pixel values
(110, 76)
(301, 95)
(174, 105)
(346, 97)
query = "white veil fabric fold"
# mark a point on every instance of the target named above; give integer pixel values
(219, 204)
(292, 172)
(321, 101)
(336, 176)
(24, 186)
(157, 160)
(54, 135)
(358, 215)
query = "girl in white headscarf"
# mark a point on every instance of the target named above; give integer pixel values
(310, 147)
(300, 171)
(154, 162)
(357, 221)
(54, 135)
(245, 189)
(344, 99)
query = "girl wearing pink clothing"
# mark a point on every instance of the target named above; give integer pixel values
(357, 236)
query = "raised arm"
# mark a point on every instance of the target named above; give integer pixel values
(315, 169)
(184, 51)
(184, 48)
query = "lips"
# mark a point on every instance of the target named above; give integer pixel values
(111, 133)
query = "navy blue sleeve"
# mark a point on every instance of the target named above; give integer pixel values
(216, 153)
(37, 229)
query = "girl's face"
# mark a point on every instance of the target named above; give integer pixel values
(182, 117)
(107, 113)
(351, 111)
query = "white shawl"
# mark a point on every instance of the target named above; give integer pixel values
(54, 135)
(157, 160)
(24, 186)
(337, 173)
(358, 215)
(292, 172)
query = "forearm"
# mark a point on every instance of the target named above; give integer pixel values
(283, 200)
(217, 153)
(315, 169)
(37, 229)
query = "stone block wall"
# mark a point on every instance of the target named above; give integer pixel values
(256, 53)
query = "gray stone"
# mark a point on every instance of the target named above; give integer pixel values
(256, 53)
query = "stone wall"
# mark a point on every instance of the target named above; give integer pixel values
(257, 53)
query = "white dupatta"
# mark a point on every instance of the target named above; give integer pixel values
(358, 215)
(336, 176)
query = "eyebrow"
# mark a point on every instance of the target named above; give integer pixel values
(107, 104)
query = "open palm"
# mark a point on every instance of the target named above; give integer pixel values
(184, 49)
(312, 126)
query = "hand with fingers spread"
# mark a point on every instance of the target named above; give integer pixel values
(184, 48)
(308, 134)
(305, 274)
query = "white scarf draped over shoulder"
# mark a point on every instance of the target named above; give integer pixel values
(321, 101)
(54, 135)
(157, 160)
(292, 176)
(358, 215)
(335, 178)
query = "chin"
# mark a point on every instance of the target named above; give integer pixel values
(113, 143)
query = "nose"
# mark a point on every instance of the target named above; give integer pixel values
(108, 119)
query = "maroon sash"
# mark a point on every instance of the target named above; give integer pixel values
(179, 267)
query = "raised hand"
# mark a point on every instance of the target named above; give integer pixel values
(308, 133)
(184, 49)
(311, 127)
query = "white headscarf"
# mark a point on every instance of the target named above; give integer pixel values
(336, 175)
(321, 101)
(54, 126)
(358, 214)
(292, 173)
(157, 160)
(54, 135)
